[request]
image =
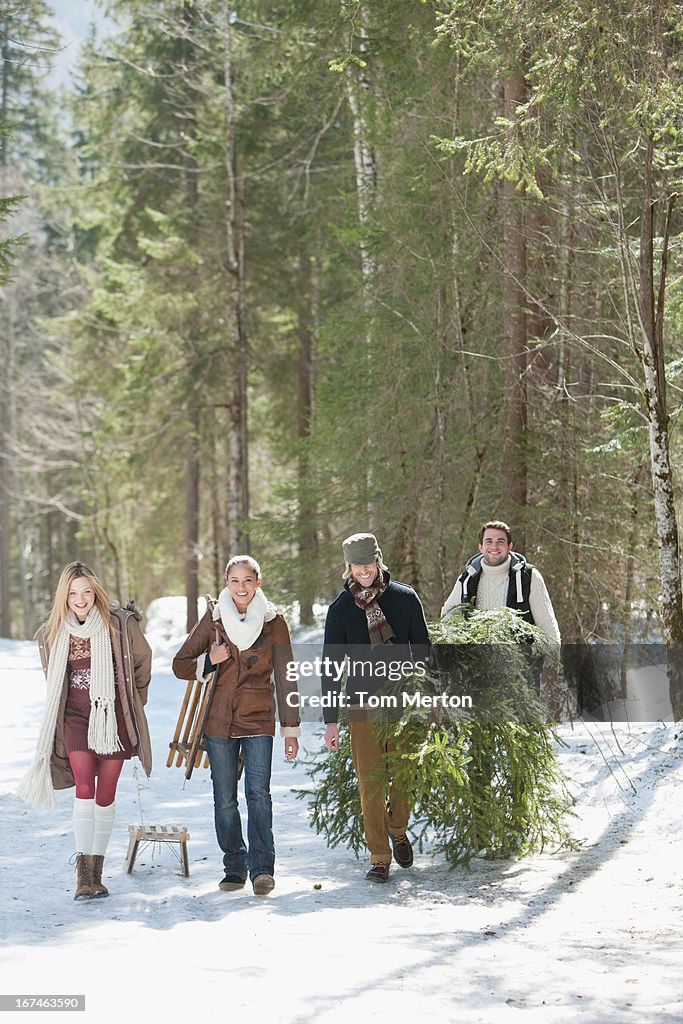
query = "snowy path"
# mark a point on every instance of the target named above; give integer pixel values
(592, 936)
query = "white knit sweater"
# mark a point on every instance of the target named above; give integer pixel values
(492, 593)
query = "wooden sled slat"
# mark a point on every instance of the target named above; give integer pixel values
(187, 744)
(179, 724)
(191, 723)
(196, 749)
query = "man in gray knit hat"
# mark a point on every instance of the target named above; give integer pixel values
(372, 611)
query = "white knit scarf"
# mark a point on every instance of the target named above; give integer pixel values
(243, 628)
(36, 786)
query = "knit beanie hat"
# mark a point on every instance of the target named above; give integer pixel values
(361, 549)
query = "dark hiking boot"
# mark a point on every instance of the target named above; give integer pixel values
(403, 851)
(231, 882)
(378, 873)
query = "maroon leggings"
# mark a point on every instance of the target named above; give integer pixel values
(87, 766)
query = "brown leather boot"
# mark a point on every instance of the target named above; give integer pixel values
(97, 888)
(84, 889)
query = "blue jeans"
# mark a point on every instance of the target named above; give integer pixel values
(258, 754)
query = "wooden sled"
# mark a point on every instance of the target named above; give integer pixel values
(187, 746)
(144, 834)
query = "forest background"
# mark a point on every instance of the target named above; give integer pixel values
(274, 272)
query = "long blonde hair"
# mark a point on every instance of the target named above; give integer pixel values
(60, 605)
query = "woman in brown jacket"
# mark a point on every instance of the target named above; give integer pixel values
(98, 666)
(249, 642)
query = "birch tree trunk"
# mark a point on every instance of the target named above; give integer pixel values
(358, 93)
(630, 576)
(652, 359)
(5, 386)
(366, 171)
(5, 497)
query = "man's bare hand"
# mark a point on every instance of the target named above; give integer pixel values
(332, 736)
(291, 748)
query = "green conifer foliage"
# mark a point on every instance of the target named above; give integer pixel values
(335, 803)
(488, 787)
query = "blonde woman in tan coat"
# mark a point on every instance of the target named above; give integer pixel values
(98, 666)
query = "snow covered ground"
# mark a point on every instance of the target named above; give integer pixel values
(592, 936)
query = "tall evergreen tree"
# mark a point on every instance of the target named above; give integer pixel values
(29, 154)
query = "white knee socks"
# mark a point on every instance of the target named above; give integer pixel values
(83, 824)
(104, 823)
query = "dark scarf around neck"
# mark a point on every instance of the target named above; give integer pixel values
(379, 630)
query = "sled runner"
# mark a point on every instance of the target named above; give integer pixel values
(187, 747)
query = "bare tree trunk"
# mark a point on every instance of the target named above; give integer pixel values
(358, 93)
(515, 472)
(109, 536)
(652, 358)
(6, 470)
(465, 540)
(245, 540)
(217, 555)
(439, 412)
(630, 574)
(407, 563)
(308, 540)
(366, 171)
(5, 386)
(647, 338)
(568, 607)
(192, 516)
(50, 581)
(6, 31)
(452, 335)
(238, 486)
(192, 451)
(15, 490)
(5, 537)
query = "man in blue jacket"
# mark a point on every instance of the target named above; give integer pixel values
(370, 616)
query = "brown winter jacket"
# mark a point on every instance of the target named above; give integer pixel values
(243, 702)
(133, 658)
